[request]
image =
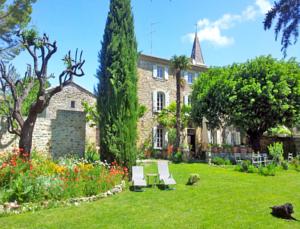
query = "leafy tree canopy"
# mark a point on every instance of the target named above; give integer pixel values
(14, 16)
(167, 117)
(254, 96)
(287, 13)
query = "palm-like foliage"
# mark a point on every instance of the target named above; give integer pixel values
(288, 13)
(179, 64)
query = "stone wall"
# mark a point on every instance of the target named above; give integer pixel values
(68, 132)
(63, 100)
(61, 129)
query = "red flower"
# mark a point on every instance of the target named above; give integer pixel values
(76, 170)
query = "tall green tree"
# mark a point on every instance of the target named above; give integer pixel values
(179, 64)
(117, 88)
(287, 13)
(254, 96)
(14, 16)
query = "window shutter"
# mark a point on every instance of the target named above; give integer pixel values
(154, 129)
(219, 137)
(186, 76)
(154, 73)
(167, 99)
(154, 101)
(166, 73)
(238, 138)
(228, 137)
(186, 100)
(166, 138)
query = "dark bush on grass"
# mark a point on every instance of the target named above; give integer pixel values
(177, 157)
(245, 165)
(193, 179)
(285, 165)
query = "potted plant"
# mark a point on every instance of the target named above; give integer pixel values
(236, 149)
(214, 148)
(227, 148)
(243, 149)
(249, 149)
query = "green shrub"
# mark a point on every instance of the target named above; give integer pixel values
(91, 153)
(276, 151)
(269, 170)
(245, 165)
(252, 169)
(193, 179)
(227, 162)
(218, 161)
(285, 165)
(177, 157)
(296, 163)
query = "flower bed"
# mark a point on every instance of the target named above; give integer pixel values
(15, 208)
(41, 179)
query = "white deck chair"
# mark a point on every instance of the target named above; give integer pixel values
(164, 174)
(138, 179)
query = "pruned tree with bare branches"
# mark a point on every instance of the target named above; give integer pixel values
(15, 89)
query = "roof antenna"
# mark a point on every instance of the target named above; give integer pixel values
(152, 31)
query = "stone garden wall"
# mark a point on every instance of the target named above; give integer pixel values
(61, 129)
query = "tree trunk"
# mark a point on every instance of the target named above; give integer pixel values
(25, 142)
(178, 120)
(254, 140)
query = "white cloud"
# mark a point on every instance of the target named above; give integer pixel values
(212, 31)
(263, 5)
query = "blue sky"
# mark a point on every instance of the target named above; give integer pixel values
(229, 30)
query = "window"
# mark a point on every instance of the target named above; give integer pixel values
(160, 101)
(190, 77)
(72, 104)
(159, 138)
(160, 72)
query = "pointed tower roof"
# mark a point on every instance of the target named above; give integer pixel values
(196, 52)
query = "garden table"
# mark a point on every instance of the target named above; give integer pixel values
(155, 177)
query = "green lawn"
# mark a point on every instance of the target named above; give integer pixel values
(223, 199)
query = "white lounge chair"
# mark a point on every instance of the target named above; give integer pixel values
(138, 179)
(164, 174)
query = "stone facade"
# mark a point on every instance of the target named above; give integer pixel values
(61, 129)
(149, 84)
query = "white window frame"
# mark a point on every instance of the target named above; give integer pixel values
(160, 72)
(160, 101)
(159, 140)
(160, 137)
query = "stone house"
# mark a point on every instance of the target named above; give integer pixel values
(157, 88)
(62, 128)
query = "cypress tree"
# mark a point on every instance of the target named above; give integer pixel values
(117, 88)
